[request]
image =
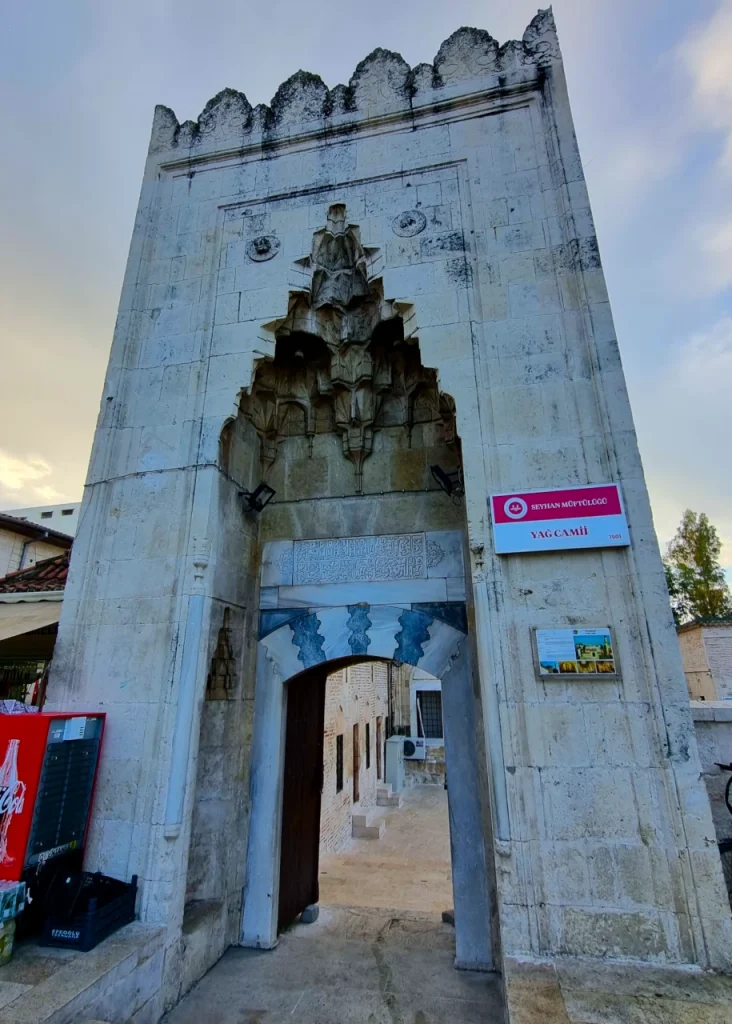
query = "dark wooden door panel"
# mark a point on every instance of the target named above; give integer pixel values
(303, 785)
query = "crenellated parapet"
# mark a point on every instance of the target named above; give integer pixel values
(382, 84)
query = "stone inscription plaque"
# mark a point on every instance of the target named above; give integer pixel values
(361, 559)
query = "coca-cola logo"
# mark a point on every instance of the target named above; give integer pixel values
(11, 798)
(515, 508)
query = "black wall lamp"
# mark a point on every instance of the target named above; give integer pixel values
(450, 481)
(256, 500)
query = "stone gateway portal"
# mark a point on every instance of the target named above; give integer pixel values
(377, 306)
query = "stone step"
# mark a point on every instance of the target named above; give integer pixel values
(386, 798)
(362, 829)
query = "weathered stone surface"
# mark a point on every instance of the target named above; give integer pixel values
(340, 371)
(383, 82)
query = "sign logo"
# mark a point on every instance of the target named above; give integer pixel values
(591, 516)
(515, 508)
(12, 794)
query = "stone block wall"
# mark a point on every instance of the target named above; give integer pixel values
(466, 184)
(718, 645)
(354, 695)
(713, 727)
(699, 678)
(706, 653)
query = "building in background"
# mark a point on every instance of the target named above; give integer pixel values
(24, 543)
(61, 517)
(706, 653)
(34, 562)
(30, 607)
(356, 709)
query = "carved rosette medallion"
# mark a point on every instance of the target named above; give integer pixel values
(409, 223)
(263, 247)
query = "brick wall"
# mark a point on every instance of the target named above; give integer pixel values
(355, 695)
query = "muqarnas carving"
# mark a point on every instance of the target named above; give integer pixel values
(341, 361)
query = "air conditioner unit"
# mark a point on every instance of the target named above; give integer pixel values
(414, 748)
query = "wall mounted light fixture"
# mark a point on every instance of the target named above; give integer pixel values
(450, 481)
(256, 500)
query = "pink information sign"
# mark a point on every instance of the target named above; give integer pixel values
(574, 517)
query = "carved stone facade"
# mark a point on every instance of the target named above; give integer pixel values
(341, 362)
(337, 292)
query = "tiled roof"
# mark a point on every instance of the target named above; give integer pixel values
(33, 530)
(48, 575)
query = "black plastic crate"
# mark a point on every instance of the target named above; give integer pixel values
(84, 908)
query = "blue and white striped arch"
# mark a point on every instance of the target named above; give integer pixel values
(427, 635)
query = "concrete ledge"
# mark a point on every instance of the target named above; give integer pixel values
(117, 982)
(711, 710)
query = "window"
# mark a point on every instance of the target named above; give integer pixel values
(429, 714)
(368, 745)
(356, 765)
(46, 515)
(339, 763)
(67, 511)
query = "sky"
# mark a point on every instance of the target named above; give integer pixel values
(651, 89)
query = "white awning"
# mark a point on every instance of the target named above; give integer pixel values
(25, 616)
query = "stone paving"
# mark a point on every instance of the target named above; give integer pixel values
(587, 992)
(412, 859)
(350, 967)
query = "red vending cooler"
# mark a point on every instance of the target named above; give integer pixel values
(48, 766)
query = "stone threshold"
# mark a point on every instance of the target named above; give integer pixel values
(119, 980)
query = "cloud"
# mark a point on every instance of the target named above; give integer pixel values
(26, 480)
(685, 423)
(705, 54)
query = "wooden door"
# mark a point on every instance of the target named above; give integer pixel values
(379, 773)
(303, 786)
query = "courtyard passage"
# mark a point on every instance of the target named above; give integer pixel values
(407, 869)
(352, 966)
(379, 952)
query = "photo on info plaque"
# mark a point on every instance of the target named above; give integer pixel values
(572, 652)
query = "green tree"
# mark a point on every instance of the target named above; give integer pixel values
(695, 578)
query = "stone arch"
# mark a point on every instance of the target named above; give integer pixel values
(296, 640)
(413, 636)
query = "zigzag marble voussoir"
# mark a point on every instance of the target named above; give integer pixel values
(382, 83)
